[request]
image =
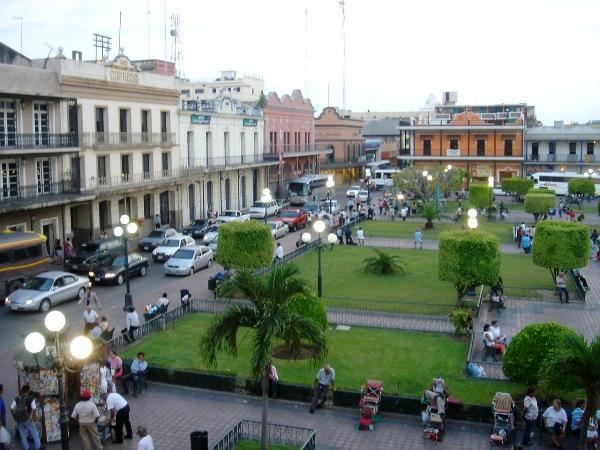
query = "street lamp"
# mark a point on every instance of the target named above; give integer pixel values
(368, 177)
(330, 185)
(266, 198)
(319, 227)
(129, 230)
(81, 348)
(491, 186)
(424, 173)
(449, 167)
(472, 220)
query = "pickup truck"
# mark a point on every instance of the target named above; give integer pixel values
(233, 215)
(294, 218)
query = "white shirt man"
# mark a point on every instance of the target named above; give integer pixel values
(360, 235)
(90, 316)
(133, 320)
(552, 417)
(326, 376)
(146, 443)
(279, 251)
(163, 301)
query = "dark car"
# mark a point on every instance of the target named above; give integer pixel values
(155, 237)
(197, 228)
(94, 253)
(114, 273)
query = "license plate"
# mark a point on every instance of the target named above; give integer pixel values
(74, 266)
(146, 248)
(159, 257)
(97, 279)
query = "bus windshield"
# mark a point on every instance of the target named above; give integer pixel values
(298, 189)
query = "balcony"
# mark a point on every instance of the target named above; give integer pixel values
(120, 140)
(127, 182)
(295, 150)
(12, 143)
(212, 106)
(34, 196)
(342, 163)
(237, 161)
(573, 159)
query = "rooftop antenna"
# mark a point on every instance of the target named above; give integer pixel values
(305, 52)
(49, 53)
(148, 26)
(103, 43)
(165, 36)
(120, 23)
(21, 19)
(342, 4)
(176, 53)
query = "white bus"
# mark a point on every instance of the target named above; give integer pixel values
(384, 178)
(307, 189)
(377, 165)
(559, 181)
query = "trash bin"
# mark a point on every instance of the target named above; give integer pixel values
(212, 283)
(199, 440)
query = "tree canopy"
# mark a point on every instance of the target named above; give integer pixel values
(480, 195)
(411, 179)
(245, 245)
(539, 204)
(582, 186)
(517, 187)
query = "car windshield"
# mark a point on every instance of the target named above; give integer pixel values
(298, 189)
(39, 284)
(273, 225)
(198, 223)
(311, 207)
(289, 213)
(259, 205)
(156, 234)
(354, 188)
(119, 261)
(184, 254)
(363, 192)
(172, 243)
(212, 229)
(87, 249)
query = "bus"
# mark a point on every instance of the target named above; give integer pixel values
(559, 181)
(22, 256)
(384, 178)
(307, 189)
(377, 165)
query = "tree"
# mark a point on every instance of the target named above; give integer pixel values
(467, 259)
(462, 321)
(517, 187)
(572, 365)
(430, 211)
(542, 191)
(271, 318)
(411, 179)
(529, 349)
(539, 204)
(560, 246)
(480, 195)
(383, 263)
(245, 245)
(262, 100)
(582, 186)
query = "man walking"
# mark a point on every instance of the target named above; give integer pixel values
(86, 414)
(157, 221)
(418, 239)
(90, 318)
(90, 299)
(119, 414)
(561, 285)
(325, 378)
(23, 409)
(360, 235)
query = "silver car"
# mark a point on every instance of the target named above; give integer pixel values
(47, 289)
(188, 260)
(278, 229)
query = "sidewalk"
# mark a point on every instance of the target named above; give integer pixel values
(428, 245)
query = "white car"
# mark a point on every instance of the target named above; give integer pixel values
(363, 195)
(352, 191)
(169, 246)
(259, 208)
(335, 206)
(212, 245)
(278, 229)
(210, 233)
(188, 260)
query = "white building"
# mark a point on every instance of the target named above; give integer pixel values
(245, 89)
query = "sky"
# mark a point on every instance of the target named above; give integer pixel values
(540, 52)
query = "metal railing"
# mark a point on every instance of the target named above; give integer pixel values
(298, 437)
(103, 139)
(560, 158)
(43, 192)
(367, 305)
(210, 106)
(11, 141)
(230, 160)
(125, 180)
(472, 340)
(287, 258)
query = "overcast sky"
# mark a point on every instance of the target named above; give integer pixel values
(542, 52)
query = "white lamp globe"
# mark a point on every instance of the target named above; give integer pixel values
(449, 167)
(367, 172)
(331, 238)
(329, 177)
(472, 213)
(429, 177)
(132, 227)
(446, 170)
(425, 173)
(491, 181)
(35, 342)
(81, 347)
(118, 231)
(590, 170)
(124, 219)
(330, 183)
(55, 321)
(472, 223)
(319, 226)
(306, 238)
(266, 191)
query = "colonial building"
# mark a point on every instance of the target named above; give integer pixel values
(243, 88)
(382, 139)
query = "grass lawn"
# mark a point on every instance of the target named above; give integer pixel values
(343, 276)
(406, 362)
(255, 445)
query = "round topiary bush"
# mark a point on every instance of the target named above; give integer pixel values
(517, 187)
(311, 307)
(538, 204)
(245, 245)
(528, 350)
(582, 186)
(480, 195)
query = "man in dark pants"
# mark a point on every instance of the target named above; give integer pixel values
(119, 412)
(325, 378)
(531, 410)
(137, 374)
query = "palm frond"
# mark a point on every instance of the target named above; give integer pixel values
(383, 263)
(245, 283)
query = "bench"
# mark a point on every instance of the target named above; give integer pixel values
(489, 351)
(578, 285)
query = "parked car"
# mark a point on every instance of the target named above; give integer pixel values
(169, 246)
(188, 260)
(363, 195)
(114, 273)
(311, 207)
(233, 215)
(197, 228)
(213, 244)
(257, 211)
(294, 218)
(335, 206)
(155, 237)
(93, 253)
(47, 289)
(352, 191)
(278, 229)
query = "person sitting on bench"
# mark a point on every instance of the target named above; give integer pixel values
(579, 277)
(137, 373)
(490, 341)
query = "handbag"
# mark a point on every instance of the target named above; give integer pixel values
(4, 436)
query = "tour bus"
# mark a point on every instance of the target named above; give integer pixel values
(377, 165)
(384, 178)
(304, 189)
(22, 256)
(559, 181)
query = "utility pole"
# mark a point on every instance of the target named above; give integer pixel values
(343, 6)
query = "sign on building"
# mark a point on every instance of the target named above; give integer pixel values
(200, 119)
(250, 122)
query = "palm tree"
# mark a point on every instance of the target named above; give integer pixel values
(431, 212)
(576, 365)
(383, 263)
(271, 318)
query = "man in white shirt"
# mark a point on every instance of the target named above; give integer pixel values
(531, 414)
(90, 317)
(163, 301)
(555, 419)
(132, 323)
(360, 235)
(119, 413)
(279, 252)
(24, 409)
(325, 378)
(86, 413)
(146, 442)
(495, 329)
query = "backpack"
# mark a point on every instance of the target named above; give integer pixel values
(22, 410)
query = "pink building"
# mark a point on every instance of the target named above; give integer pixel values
(290, 137)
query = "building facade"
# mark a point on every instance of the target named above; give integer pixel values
(382, 139)
(244, 89)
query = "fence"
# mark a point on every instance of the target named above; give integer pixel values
(477, 311)
(388, 306)
(298, 437)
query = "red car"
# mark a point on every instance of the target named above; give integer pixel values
(294, 218)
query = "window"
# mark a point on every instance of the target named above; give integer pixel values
(198, 91)
(20, 254)
(208, 144)
(7, 124)
(185, 92)
(255, 142)
(590, 148)
(100, 124)
(146, 167)
(35, 251)
(165, 164)
(148, 206)
(164, 126)
(243, 142)
(227, 194)
(4, 258)
(427, 147)
(9, 179)
(17, 228)
(226, 144)
(535, 151)
(102, 174)
(508, 147)
(214, 90)
(209, 195)
(124, 126)
(40, 123)
(125, 168)
(146, 126)
(453, 144)
(243, 189)
(552, 148)
(572, 148)
(43, 176)
(237, 89)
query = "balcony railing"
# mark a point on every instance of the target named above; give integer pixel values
(127, 139)
(561, 158)
(122, 181)
(19, 196)
(229, 161)
(210, 106)
(286, 149)
(25, 141)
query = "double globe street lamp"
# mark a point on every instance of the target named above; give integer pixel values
(81, 348)
(330, 185)
(319, 227)
(472, 220)
(266, 198)
(128, 229)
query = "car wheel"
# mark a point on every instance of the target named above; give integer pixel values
(45, 305)
(80, 293)
(143, 271)
(209, 264)
(14, 285)
(191, 272)
(120, 279)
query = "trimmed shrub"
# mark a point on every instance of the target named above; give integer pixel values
(598, 207)
(383, 263)
(582, 186)
(542, 191)
(538, 204)
(245, 245)
(529, 349)
(479, 195)
(462, 321)
(561, 246)
(467, 259)
(311, 307)
(517, 187)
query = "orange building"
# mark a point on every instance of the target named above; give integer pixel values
(483, 147)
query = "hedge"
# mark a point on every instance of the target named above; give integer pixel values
(468, 259)
(561, 245)
(479, 195)
(311, 307)
(538, 204)
(245, 245)
(542, 191)
(517, 187)
(582, 186)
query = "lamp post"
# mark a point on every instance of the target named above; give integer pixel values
(330, 185)
(491, 186)
(266, 198)
(368, 177)
(81, 348)
(319, 227)
(130, 228)
(472, 220)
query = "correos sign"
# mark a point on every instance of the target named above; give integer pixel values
(123, 76)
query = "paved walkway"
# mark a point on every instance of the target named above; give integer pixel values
(427, 244)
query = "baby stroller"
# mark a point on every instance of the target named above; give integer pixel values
(503, 428)
(370, 397)
(433, 418)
